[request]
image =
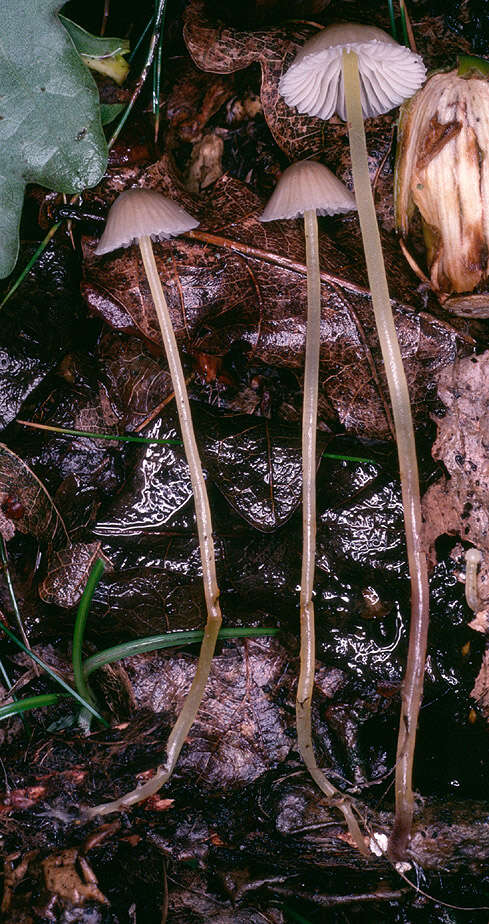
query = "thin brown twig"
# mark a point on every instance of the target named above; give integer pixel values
(105, 17)
(409, 28)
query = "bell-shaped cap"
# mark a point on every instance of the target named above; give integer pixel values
(138, 212)
(389, 73)
(304, 186)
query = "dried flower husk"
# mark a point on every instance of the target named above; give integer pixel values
(443, 171)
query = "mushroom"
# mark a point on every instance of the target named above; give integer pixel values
(359, 71)
(139, 215)
(308, 188)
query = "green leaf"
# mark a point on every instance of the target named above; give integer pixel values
(99, 53)
(95, 46)
(468, 65)
(50, 127)
(110, 111)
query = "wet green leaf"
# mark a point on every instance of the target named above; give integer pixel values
(50, 128)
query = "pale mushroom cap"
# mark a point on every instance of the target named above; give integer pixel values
(308, 185)
(138, 212)
(389, 73)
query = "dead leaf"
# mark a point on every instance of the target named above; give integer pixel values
(193, 99)
(205, 163)
(459, 505)
(481, 687)
(68, 571)
(67, 883)
(239, 731)
(156, 491)
(137, 383)
(13, 875)
(221, 49)
(26, 502)
(256, 465)
(235, 282)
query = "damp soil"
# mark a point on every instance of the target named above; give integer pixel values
(239, 834)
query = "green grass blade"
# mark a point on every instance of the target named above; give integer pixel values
(10, 587)
(89, 434)
(79, 630)
(54, 676)
(35, 256)
(157, 26)
(29, 702)
(392, 19)
(168, 640)
(295, 916)
(405, 33)
(140, 39)
(332, 455)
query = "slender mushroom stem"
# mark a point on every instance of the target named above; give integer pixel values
(401, 408)
(309, 423)
(193, 700)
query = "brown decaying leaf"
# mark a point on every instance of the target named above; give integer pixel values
(157, 490)
(459, 505)
(481, 687)
(137, 383)
(70, 879)
(221, 49)
(256, 465)
(193, 99)
(68, 571)
(23, 492)
(235, 280)
(240, 732)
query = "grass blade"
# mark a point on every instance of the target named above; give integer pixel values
(168, 640)
(79, 630)
(10, 586)
(35, 256)
(392, 19)
(89, 434)
(29, 702)
(54, 676)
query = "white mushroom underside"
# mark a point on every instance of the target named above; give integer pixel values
(389, 74)
(308, 185)
(142, 212)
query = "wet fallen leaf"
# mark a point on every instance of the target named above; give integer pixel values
(256, 465)
(240, 731)
(25, 501)
(481, 687)
(459, 504)
(157, 489)
(38, 323)
(68, 571)
(69, 883)
(137, 383)
(235, 282)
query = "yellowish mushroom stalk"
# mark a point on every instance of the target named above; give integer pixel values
(137, 214)
(360, 72)
(442, 170)
(308, 188)
(408, 464)
(305, 686)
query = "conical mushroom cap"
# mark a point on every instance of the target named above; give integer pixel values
(308, 185)
(389, 73)
(139, 212)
